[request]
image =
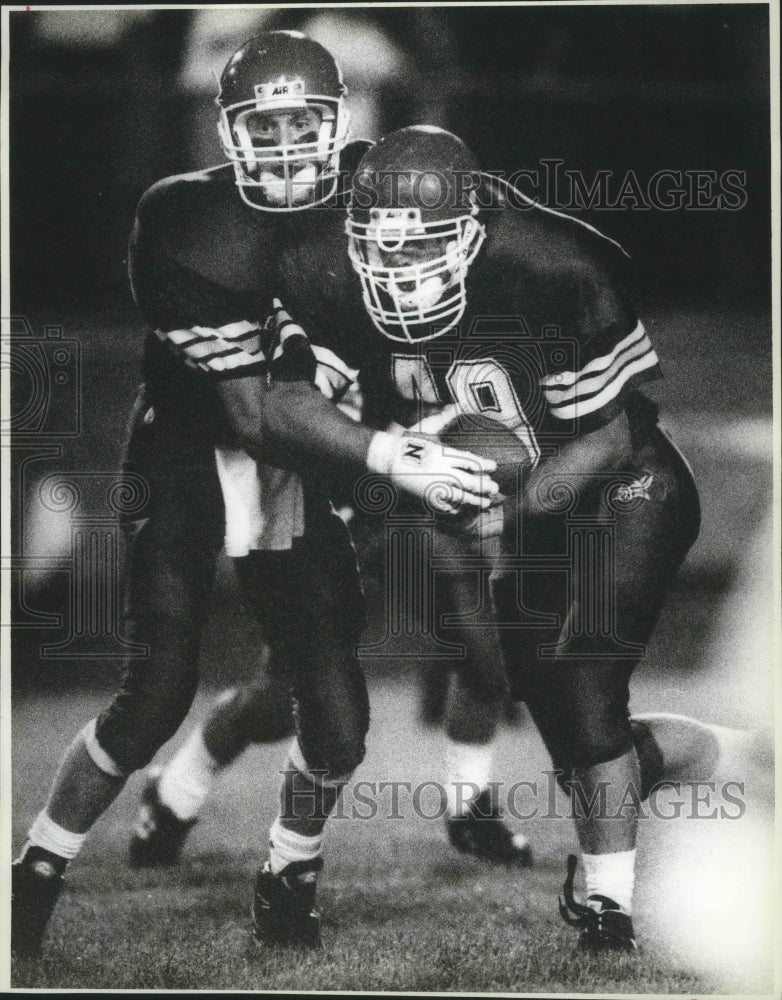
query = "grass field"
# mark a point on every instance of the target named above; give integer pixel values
(402, 910)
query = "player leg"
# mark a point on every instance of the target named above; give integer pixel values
(610, 763)
(259, 712)
(174, 795)
(315, 628)
(169, 575)
(475, 706)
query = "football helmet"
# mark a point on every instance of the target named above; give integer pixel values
(283, 121)
(413, 231)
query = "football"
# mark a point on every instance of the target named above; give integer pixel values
(490, 439)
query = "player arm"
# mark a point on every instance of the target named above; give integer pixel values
(294, 419)
(285, 420)
(586, 398)
(580, 461)
(291, 423)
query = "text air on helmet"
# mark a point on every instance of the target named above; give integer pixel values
(280, 73)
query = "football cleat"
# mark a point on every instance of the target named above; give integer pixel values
(159, 835)
(604, 925)
(35, 889)
(284, 906)
(482, 832)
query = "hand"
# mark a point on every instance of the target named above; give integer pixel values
(447, 479)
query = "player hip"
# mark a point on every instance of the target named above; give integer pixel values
(164, 464)
(307, 597)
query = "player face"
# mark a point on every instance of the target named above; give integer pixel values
(413, 270)
(415, 273)
(283, 175)
(283, 128)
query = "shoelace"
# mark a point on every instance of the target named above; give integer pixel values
(572, 912)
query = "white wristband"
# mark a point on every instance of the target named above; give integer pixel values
(380, 456)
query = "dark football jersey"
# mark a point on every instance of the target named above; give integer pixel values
(550, 344)
(198, 256)
(201, 262)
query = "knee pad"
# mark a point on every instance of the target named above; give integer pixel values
(587, 749)
(578, 746)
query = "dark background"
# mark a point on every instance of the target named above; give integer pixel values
(618, 88)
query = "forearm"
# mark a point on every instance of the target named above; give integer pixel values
(286, 422)
(578, 463)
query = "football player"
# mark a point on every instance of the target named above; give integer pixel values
(491, 308)
(487, 304)
(204, 265)
(174, 795)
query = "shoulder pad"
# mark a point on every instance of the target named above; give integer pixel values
(555, 228)
(170, 193)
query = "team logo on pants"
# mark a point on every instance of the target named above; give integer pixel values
(639, 490)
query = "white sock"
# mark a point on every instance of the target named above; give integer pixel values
(469, 767)
(611, 875)
(186, 781)
(287, 846)
(52, 837)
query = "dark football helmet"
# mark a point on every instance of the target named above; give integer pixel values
(413, 229)
(283, 120)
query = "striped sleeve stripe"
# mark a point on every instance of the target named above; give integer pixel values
(229, 361)
(582, 407)
(236, 333)
(204, 348)
(588, 386)
(331, 360)
(562, 379)
(242, 330)
(285, 325)
(184, 338)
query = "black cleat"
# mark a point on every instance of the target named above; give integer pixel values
(159, 835)
(482, 832)
(284, 906)
(604, 925)
(35, 889)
